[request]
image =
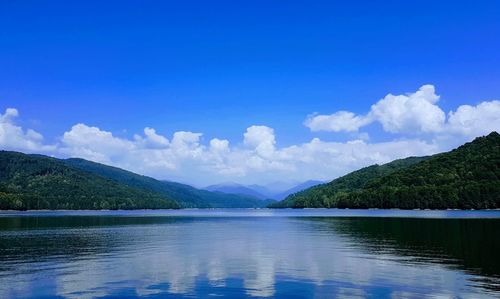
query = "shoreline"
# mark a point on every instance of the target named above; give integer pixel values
(271, 209)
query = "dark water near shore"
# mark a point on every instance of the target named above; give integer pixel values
(250, 253)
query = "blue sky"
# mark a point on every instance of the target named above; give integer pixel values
(220, 67)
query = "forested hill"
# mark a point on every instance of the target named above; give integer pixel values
(327, 195)
(39, 182)
(465, 178)
(186, 196)
(174, 190)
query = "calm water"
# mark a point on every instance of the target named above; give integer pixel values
(250, 253)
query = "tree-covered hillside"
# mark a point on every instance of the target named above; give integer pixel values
(183, 194)
(38, 182)
(465, 178)
(187, 196)
(327, 195)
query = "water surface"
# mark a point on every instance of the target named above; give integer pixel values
(250, 254)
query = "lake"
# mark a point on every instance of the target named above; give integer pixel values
(250, 254)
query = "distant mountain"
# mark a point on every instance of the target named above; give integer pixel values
(264, 190)
(299, 187)
(235, 189)
(186, 196)
(39, 182)
(465, 178)
(279, 186)
(259, 191)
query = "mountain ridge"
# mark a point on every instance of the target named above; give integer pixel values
(467, 177)
(33, 181)
(260, 191)
(187, 196)
(40, 182)
(235, 188)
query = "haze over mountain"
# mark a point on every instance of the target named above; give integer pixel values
(299, 187)
(186, 195)
(235, 189)
(278, 192)
(465, 178)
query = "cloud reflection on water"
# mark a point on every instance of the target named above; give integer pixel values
(234, 257)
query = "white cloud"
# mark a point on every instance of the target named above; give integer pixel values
(411, 113)
(336, 122)
(325, 160)
(9, 115)
(186, 158)
(152, 139)
(262, 139)
(257, 158)
(219, 146)
(416, 114)
(474, 121)
(94, 144)
(187, 144)
(13, 137)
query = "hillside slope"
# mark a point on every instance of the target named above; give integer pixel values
(260, 191)
(465, 178)
(234, 188)
(187, 196)
(327, 195)
(298, 188)
(39, 182)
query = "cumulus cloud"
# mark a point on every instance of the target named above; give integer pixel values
(152, 139)
(14, 137)
(422, 126)
(94, 144)
(185, 156)
(336, 122)
(411, 113)
(477, 120)
(10, 113)
(219, 146)
(262, 139)
(415, 113)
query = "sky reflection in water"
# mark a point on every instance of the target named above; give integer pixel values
(250, 253)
